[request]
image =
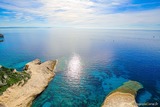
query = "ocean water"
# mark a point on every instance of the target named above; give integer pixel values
(92, 63)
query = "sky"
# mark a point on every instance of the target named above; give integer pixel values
(110, 14)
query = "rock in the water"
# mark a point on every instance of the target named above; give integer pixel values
(23, 95)
(124, 96)
(1, 36)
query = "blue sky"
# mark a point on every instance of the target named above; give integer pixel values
(111, 14)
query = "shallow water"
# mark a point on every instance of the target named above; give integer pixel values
(92, 63)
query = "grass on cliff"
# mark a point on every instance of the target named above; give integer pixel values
(129, 87)
(8, 78)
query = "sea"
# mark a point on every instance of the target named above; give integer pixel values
(91, 62)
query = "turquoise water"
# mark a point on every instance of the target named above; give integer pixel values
(92, 63)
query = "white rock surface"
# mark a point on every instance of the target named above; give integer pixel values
(23, 95)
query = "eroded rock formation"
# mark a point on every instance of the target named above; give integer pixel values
(124, 96)
(23, 95)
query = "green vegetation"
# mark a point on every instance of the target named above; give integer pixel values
(8, 77)
(129, 87)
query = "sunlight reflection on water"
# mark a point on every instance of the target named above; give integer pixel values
(74, 67)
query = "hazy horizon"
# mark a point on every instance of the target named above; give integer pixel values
(23, 27)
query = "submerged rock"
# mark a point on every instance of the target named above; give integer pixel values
(1, 40)
(124, 96)
(22, 95)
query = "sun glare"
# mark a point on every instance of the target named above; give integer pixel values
(74, 67)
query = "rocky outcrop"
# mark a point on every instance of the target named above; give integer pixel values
(124, 96)
(1, 36)
(23, 95)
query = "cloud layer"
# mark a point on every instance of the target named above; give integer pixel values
(79, 13)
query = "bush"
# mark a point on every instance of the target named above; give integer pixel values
(9, 78)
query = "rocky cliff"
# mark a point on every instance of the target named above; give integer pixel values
(23, 95)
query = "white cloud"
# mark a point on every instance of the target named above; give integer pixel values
(80, 13)
(21, 16)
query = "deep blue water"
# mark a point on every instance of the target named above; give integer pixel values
(92, 63)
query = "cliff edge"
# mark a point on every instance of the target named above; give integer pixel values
(23, 95)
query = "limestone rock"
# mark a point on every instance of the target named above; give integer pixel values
(23, 95)
(124, 96)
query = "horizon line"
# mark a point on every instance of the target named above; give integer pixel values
(78, 28)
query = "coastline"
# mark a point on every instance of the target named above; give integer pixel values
(23, 95)
(124, 96)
